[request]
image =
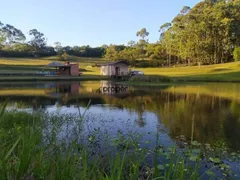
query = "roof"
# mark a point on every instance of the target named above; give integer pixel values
(116, 62)
(56, 64)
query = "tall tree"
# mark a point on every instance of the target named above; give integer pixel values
(143, 33)
(38, 41)
(185, 10)
(131, 43)
(112, 53)
(11, 35)
(207, 33)
(163, 29)
(58, 48)
(2, 39)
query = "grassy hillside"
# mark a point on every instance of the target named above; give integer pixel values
(219, 72)
(32, 65)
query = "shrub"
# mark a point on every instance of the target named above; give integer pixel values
(236, 54)
(64, 56)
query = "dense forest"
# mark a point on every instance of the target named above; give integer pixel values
(208, 33)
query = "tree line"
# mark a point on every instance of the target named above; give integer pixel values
(208, 33)
(13, 44)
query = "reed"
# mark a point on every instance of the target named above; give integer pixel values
(31, 149)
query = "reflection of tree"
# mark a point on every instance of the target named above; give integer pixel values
(211, 118)
(232, 125)
(212, 121)
(140, 111)
(215, 118)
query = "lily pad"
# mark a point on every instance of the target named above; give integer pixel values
(193, 158)
(160, 167)
(210, 173)
(215, 160)
(224, 167)
(196, 151)
(195, 143)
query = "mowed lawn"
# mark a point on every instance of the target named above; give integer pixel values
(219, 72)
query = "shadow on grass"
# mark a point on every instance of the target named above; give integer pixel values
(221, 77)
(22, 67)
(220, 69)
(85, 70)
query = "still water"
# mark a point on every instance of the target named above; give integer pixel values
(209, 113)
(174, 115)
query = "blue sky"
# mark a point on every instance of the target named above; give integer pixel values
(91, 22)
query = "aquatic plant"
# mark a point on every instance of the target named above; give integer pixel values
(32, 147)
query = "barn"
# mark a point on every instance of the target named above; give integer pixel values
(117, 68)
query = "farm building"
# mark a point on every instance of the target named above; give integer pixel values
(118, 68)
(67, 69)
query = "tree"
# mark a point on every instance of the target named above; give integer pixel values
(112, 53)
(142, 42)
(2, 39)
(185, 10)
(143, 33)
(10, 35)
(204, 34)
(58, 48)
(38, 41)
(64, 56)
(1, 33)
(131, 43)
(156, 52)
(236, 54)
(163, 29)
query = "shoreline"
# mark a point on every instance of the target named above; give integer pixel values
(136, 82)
(142, 83)
(52, 78)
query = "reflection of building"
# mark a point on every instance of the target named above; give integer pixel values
(109, 88)
(58, 90)
(118, 68)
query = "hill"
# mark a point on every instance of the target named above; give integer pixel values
(31, 65)
(218, 72)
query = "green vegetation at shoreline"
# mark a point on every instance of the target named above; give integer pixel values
(32, 149)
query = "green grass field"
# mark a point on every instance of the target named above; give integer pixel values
(219, 72)
(229, 72)
(32, 65)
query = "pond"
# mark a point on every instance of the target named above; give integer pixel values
(208, 113)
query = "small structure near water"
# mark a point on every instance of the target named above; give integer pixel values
(117, 69)
(67, 69)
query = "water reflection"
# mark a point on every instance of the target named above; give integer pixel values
(171, 111)
(63, 91)
(114, 89)
(55, 89)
